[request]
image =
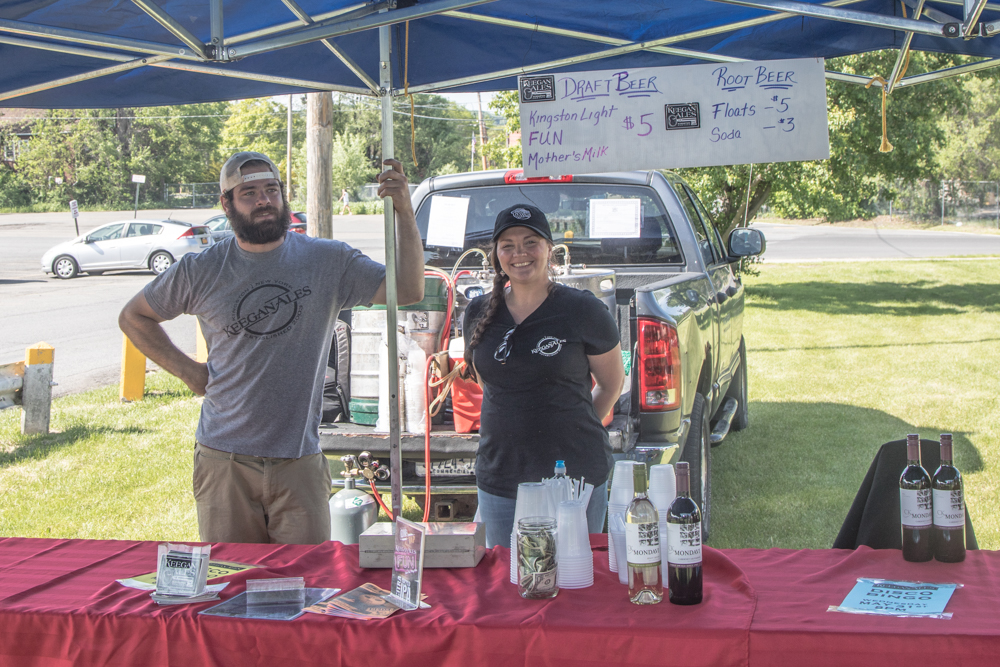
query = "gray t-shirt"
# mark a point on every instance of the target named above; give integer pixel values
(267, 319)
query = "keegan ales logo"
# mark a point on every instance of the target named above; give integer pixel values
(683, 116)
(267, 309)
(538, 89)
(549, 346)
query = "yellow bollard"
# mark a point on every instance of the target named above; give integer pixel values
(201, 347)
(133, 382)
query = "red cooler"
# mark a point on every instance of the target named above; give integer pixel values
(466, 396)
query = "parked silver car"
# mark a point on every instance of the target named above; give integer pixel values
(132, 244)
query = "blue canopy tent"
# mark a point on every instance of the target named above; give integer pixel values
(115, 53)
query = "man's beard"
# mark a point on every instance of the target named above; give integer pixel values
(259, 232)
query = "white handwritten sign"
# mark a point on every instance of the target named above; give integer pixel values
(670, 117)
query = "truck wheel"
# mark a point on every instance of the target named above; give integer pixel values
(738, 390)
(697, 452)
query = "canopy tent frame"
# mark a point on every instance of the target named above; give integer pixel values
(215, 58)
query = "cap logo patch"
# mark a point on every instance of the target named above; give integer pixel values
(258, 176)
(521, 213)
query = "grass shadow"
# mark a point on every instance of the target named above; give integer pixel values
(789, 480)
(920, 297)
(35, 447)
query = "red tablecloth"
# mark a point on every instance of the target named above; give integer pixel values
(60, 605)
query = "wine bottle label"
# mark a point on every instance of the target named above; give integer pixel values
(684, 543)
(915, 507)
(949, 510)
(642, 541)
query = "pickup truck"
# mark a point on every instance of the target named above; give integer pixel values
(648, 247)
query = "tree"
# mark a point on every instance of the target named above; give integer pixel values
(845, 186)
(95, 152)
(261, 125)
(971, 146)
(498, 152)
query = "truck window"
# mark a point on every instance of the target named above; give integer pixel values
(706, 220)
(628, 226)
(704, 244)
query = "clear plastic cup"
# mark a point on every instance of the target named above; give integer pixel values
(662, 483)
(622, 488)
(616, 536)
(573, 536)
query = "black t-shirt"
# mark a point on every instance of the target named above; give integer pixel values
(537, 407)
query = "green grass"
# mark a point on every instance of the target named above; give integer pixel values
(842, 357)
(108, 470)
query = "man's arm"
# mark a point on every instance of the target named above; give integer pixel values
(409, 249)
(142, 325)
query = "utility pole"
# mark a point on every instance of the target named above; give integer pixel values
(319, 172)
(482, 130)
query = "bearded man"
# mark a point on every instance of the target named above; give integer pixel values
(267, 301)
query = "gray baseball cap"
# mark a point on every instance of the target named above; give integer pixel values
(230, 175)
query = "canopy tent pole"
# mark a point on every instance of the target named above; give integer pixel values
(391, 301)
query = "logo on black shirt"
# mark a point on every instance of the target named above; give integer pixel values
(267, 309)
(549, 346)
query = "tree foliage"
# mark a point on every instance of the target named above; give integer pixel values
(95, 152)
(845, 186)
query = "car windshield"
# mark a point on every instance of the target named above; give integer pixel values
(600, 223)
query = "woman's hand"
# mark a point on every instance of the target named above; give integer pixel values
(609, 376)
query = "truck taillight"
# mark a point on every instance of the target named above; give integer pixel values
(659, 366)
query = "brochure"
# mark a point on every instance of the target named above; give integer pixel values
(365, 602)
(898, 598)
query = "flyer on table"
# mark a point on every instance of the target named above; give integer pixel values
(673, 117)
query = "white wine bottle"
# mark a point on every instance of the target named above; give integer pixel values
(642, 542)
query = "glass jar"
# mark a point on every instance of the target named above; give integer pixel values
(536, 558)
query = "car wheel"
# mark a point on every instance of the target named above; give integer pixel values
(65, 267)
(160, 262)
(698, 453)
(738, 390)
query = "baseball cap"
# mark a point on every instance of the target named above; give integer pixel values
(230, 175)
(522, 215)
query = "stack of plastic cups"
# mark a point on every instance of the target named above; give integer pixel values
(622, 490)
(573, 554)
(532, 500)
(616, 543)
(662, 491)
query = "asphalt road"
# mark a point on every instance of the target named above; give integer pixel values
(793, 243)
(79, 317)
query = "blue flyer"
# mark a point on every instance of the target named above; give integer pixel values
(898, 598)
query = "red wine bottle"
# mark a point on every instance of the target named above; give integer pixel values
(683, 554)
(915, 505)
(949, 508)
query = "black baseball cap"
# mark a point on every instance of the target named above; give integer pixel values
(522, 215)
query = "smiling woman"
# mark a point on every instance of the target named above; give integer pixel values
(548, 359)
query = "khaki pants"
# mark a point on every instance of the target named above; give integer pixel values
(243, 498)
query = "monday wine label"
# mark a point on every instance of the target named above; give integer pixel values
(684, 543)
(915, 507)
(949, 510)
(642, 540)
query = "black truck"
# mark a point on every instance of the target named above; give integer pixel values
(645, 245)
